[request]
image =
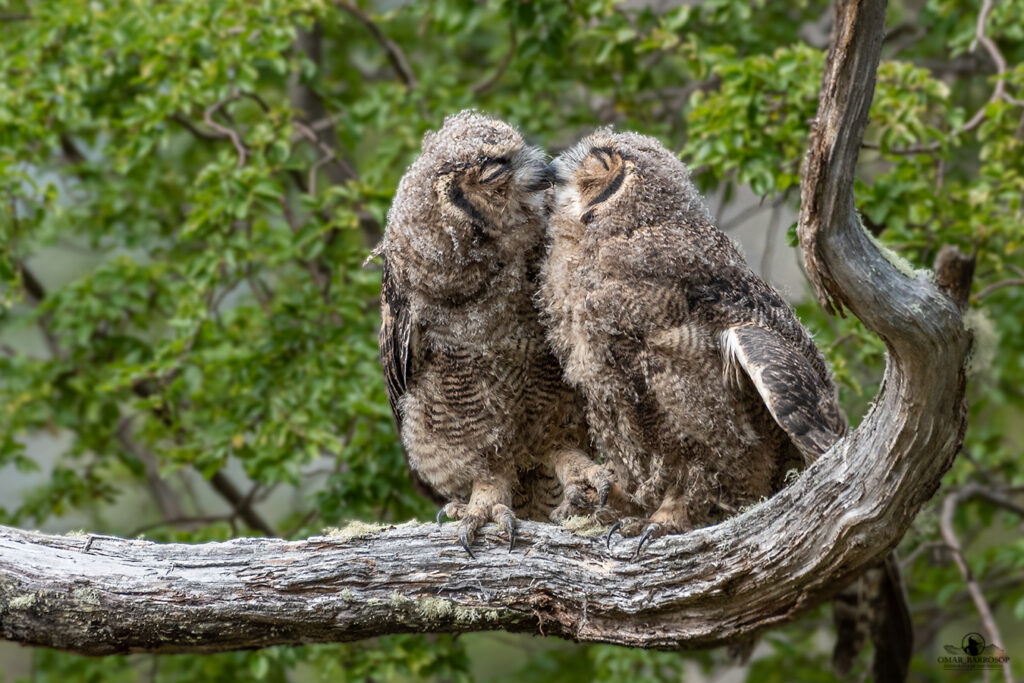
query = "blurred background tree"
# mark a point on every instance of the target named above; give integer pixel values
(187, 338)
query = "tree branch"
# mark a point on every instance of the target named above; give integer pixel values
(489, 82)
(36, 294)
(241, 504)
(192, 128)
(165, 497)
(998, 92)
(949, 506)
(714, 585)
(394, 53)
(1013, 282)
(315, 125)
(230, 133)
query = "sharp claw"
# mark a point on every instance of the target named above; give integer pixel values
(440, 514)
(648, 532)
(604, 495)
(465, 544)
(608, 538)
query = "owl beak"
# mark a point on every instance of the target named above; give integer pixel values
(545, 181)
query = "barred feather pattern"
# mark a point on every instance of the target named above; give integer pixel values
(701, 385)
(476, 393)
(638, 288)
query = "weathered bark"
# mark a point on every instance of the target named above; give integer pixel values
(759, 569)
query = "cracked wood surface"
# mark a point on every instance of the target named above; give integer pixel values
(713, 585)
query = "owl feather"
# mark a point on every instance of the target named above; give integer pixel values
(702, 388)
(487, 424)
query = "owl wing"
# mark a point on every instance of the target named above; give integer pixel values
(395, 336)
(797, 397)
(397, 339)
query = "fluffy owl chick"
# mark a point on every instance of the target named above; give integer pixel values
(486, 421)
(701, 385)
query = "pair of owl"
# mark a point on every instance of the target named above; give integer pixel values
(534, 315)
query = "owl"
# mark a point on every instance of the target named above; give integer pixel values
(701, 386)
(487, 424)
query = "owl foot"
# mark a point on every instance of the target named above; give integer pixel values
(585, 491)
(472, 517)
(628, 526)
(588, 489)
(646, 529)
(653, 530)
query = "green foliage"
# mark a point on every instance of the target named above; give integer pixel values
(754, 126)
(181, 291)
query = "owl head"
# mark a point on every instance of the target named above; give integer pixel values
(613, 183)
(477, 193)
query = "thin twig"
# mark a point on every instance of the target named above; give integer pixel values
(260, 291)
(908, 560)
(489, 82)
(1014, 282)
(36, 293)
(317, 126)
(769, 242)
(949, 506)
(933, 618)
(735, 221)
(395, 54)
(255, 97)
(230, 133)
(328, 156)
(744, 215)
(166, 498)
(998, 92)
(996, 498)
(195, 130)
(306, 519)
(227, 489)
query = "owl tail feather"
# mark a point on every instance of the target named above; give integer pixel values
(875, 606)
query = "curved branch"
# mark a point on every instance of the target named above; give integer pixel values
(998, 92)
(394, 53)
(713, 585)
(224, 131)
(489, 82)
(1013, 282)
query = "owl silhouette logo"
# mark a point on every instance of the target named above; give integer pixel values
(973, 654)
(972, 644)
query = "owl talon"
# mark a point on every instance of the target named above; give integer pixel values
(464, 541)
(649, 531)
(608, 538)
(440, 514)
(473, 517)
(508, 523)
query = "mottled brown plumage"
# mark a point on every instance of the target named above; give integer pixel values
(702, 387)
(486, 421)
